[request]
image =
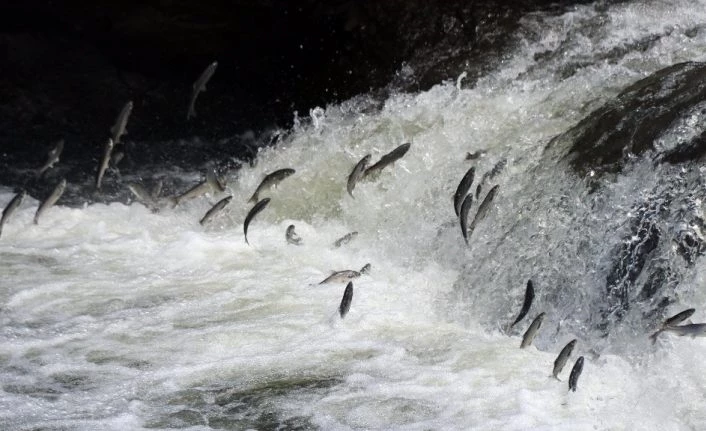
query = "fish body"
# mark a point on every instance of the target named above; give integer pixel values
(679, 317)
(387, 159)
(345, 239)
(51, 200)
(119, 128)
(463, 187)
(143, 196)
(532, 331)
(563, 358)
(346, 300)
(463, 216)
(214, 182)
(529, 296)
(575, 374)
(52, 158)
(490, 175)
(270, 180)
(199, 86)
(107, 150)
(210, 185)
(14, 203)
(292, 237)
(692, 330)
(215, 209)
(253, 212)
(357, 173)
(341, 276)
(483, 208)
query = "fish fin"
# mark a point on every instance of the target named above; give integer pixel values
(653, 337)
(557, 378)
(253, 198)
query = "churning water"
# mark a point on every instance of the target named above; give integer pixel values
(113, 317)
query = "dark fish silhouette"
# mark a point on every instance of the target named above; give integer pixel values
(463, 216)
(11, 207)
(679, 317)
(291, 236)
(387, 159)
(346, 300)
(529, 296)
(215, 209)
(463, 187)
(483, 208)
(253, 212)
(575, 374)
(345, 239)
(562, 358)
(271, 180)
(490, 175)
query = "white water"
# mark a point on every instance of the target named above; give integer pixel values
(112, 317)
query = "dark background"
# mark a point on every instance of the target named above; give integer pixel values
(68, 67)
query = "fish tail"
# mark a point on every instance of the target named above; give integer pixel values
(253, 198)
(653, 337)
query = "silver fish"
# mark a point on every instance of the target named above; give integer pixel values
(346, 300)
(292, 237)
(562, 358)
(210, 185)
(365, 269)
(51, 200)
(107, 150)
(341, 276)
(357, 173)
(529, 296)
(157, 189)
(11, 207)
(532, 331)
(143, 196)
(270, 180)
(463, 216)
(387, 159)
(215, 209)
(692, 330)
(463, 187)
(679, 317)
(575, 374)
(345, 239)
(199, 86)
(483, 208)
(490, 175)
(118, 129)
(52, 158)
(253, 212)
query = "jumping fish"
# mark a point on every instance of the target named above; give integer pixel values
(210, 185)
(463, 187)
(357, 173)
(51, 200)
(199, 86)
(483, 208)
(529, 296)
(253, 212)
(463, 216)
(52, 158)
(107, 150)
(292, 237)
(118, 129)
(346, 300)
(679, 317)
(387, 159)
(157, 189)
(562, 358)
(271, 180)
(143, 196)
(532, 331)
(215, 209)
(341, 276)
(11, 207)
(692, 330)
(345, 239)
(575, 374)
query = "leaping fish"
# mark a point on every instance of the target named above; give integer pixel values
(291, 236)
(119, 128)
(346, 300)
(562, 358)
(215, 209)
(483, 208)
(253, 212)
(270, 180)
(529, 296)
(199, 86)
(387, 159)
(673, 321)
(345, 239)
(52, 158)
(51, 200)
(692, 330)
(11, 207)
(341, 276)
(463, 215)
(532, 331)
(210, 185)
(107, 150)
(357, 173)
(463, 187)
(575, 374)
